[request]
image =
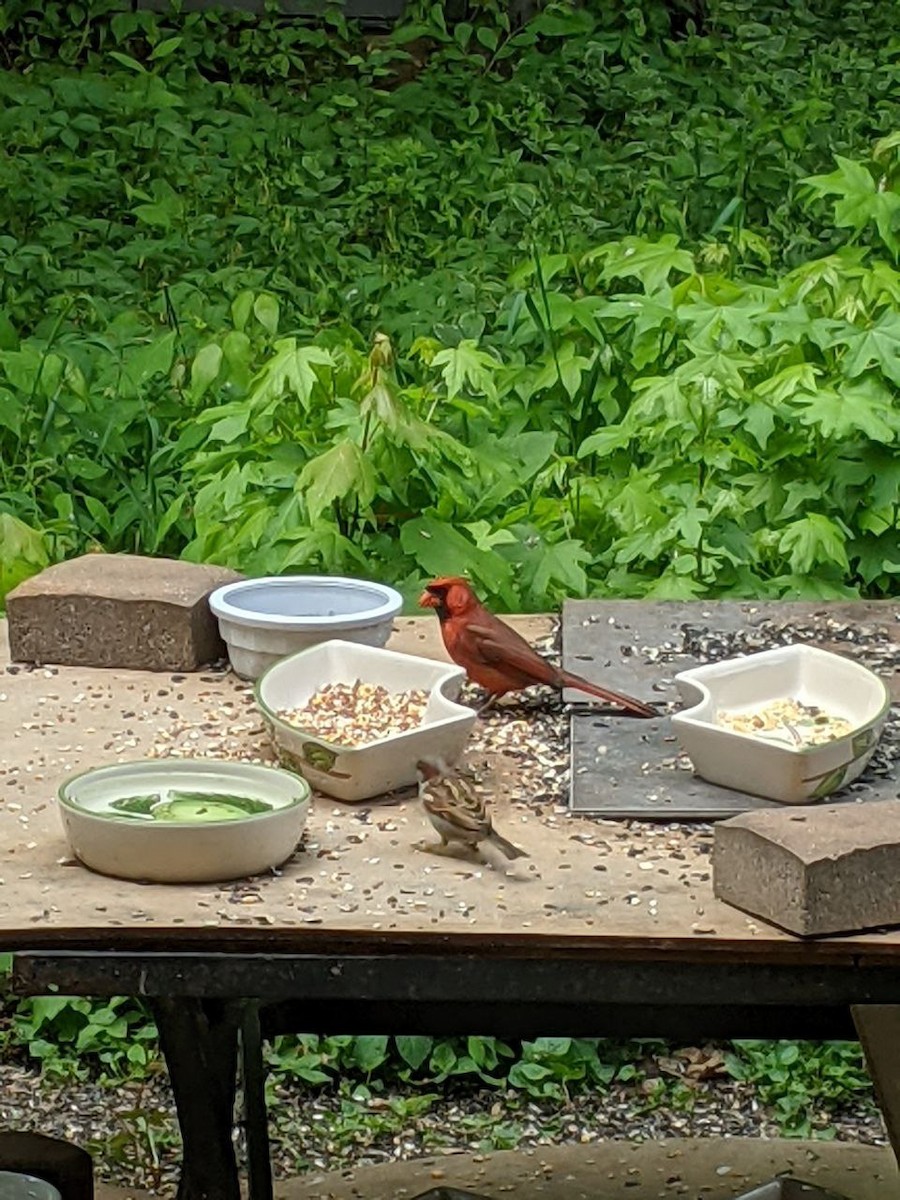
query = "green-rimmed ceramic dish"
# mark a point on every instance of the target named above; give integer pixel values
(790, 772)
(188, 820)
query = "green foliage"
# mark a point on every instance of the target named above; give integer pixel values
(87, 442)
(140, 1139)
(365, 1118)
(22, 552)
(805, 1083)
(866, 195)
(263, 297)
(72, 1036)
(746, 426)
(702, 433)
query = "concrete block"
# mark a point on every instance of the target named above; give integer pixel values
(118, 610)
(823, 869)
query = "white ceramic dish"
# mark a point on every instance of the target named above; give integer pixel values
(16, 1186)
(137, 845)
(262, 620)
(789, 773)
(358, 773)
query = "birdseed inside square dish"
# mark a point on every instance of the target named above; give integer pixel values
(788, 721)
(355, 714)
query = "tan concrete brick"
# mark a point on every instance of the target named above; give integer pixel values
(118, 610)
(813, 870)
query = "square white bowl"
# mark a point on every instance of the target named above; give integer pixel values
(355, 773)
(788, 773)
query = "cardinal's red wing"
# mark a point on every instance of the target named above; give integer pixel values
(508, 651)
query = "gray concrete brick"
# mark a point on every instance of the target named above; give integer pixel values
(813, 870)
(118, 610)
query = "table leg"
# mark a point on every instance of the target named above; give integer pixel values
(878, 1027)
(259, 1159)
(200, 1040)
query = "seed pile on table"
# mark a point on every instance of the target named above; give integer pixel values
(532, 729)
(354, 714)
(787, 721)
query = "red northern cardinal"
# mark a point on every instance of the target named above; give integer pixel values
(498, 658)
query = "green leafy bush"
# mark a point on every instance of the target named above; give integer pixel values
(638, 423)
(655, 428)
(208, 220)
(804, 1083)
(73, 1036)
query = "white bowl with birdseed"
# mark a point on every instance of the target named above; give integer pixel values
(263, 620)
(183, 820)
(355, 720)
(793, 724)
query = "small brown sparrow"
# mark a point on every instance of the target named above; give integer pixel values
(457, 811)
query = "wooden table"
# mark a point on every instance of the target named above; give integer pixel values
(608, 929)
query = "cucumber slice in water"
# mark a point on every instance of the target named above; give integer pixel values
(136, 806)
(189, 807)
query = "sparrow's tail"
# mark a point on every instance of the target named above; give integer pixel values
(632, 707)
(506, 847)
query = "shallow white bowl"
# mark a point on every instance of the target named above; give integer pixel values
(262, 620)
(15, 1185)
(360, 772)
(161, 851)
(788, 773)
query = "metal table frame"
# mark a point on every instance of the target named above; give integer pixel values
(214, 1011)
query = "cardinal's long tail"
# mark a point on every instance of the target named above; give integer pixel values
(632, 707)
(506, 847)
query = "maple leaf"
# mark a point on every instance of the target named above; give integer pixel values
(650, 261)
(876, 556)
(861, 199)
(291, 369)
(707, 322)
(562, 562)
(879, 345)
(467, 367)
(811, 541)
(341, 471)
(865, 407)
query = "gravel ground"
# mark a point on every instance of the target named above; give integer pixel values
(132, 1132)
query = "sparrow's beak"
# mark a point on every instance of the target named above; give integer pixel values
(428, 600)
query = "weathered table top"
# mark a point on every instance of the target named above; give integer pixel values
(596, 888)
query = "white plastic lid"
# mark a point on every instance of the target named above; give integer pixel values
(308, 602)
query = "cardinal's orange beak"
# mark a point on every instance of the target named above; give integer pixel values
(428, 600)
